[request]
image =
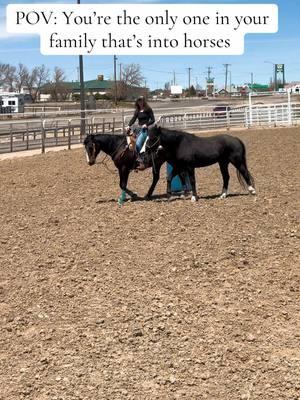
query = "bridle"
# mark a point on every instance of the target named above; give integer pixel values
(113, 155)
(154, 144)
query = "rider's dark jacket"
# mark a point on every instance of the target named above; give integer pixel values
(143, 116)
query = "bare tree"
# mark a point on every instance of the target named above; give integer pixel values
(131, 76)
(7, 75)
(21, 77)
(57, 88)
(36, 79)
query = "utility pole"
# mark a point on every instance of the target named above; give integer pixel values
(115, 78)
(209, 69)
(189, 69)
(226, 75)
(120, 66)
(174, 78)
(209, 81)
(82, 95)
(252, 81)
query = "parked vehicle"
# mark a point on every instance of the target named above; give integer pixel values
(221, 110)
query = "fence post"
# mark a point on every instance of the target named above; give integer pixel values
(27, 136)
(92, 124)
(227, 119)
(250, 110)
(289, 110)
(113, 125)
(55, 132)
(103, 125)
(123, 121)
(69, 134)
(11, 138)
(43, 135)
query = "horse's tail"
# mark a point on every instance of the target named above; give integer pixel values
(243, 174)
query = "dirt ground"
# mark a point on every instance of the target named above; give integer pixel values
(154, 300)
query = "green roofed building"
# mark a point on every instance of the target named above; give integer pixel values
(91, 87)
(256, 87)
(106, 88)
(96, 87)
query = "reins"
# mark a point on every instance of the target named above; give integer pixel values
(105, 165)
(113, 156)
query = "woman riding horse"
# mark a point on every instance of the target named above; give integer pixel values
(144, 114)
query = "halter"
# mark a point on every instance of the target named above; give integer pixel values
(154, 144)
(113, 155)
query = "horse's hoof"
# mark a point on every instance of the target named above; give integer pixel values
(223, 196)
(134, 196)
(147, 198)
(169, 196)
(194, 199)
(252, 190)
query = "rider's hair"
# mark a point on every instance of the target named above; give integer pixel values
(145, 104)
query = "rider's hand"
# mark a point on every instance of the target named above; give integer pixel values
(128, 129)
(144, 126)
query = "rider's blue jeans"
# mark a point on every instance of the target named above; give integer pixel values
(142, 136)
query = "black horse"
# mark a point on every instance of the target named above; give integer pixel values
(185, 152)
(124, 158)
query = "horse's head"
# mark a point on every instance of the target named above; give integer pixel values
(153, 138)
(91, 149)
(152, 153)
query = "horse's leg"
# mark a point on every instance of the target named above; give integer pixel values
(124, 173)
(248, 178)
(155, 179)
(224, 171)
(185, 181)
(193, 184)
(242, 169)
(183, 176)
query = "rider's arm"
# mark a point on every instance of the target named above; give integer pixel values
(151, 118)
(133, 119)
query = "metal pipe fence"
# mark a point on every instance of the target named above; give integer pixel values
(46, 133)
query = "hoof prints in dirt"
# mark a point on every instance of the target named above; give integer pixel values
(155, 300)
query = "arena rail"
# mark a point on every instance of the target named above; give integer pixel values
(45, 133)
(51, 132)
(269, 115)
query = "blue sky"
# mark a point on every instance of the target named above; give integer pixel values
(282, 47)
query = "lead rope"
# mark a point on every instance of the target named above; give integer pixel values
(153, 162)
